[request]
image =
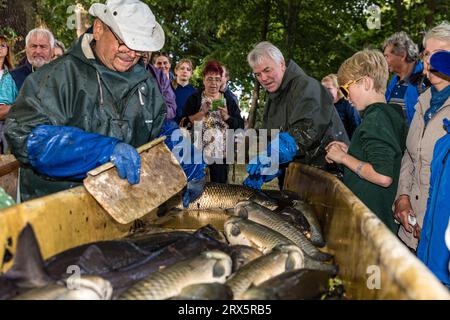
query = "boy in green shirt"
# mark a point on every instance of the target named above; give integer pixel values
(372, 161)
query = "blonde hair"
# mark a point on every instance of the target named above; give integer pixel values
(178, 66)
(370, 63)
(332, 77)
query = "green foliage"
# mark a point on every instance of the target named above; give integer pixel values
(318, 34)
(59, 17)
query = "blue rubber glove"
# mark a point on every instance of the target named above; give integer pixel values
(256, 181)
(67, 152)
(284, 145)
(127, 161)
(194, 190)
(263, 168)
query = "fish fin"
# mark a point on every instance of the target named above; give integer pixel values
(28, 268)
(93, 261)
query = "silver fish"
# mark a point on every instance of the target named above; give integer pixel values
(205, 291)
(308, 212)
(281, 259)
(248, 233)
(208, 267)
(225, 196)
(263, 216)
(193, 219)
(241, 255)
(302, 284)
(81, 288)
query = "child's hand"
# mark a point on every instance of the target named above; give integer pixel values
(335, 154)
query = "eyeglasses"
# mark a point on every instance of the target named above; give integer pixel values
(3, 45)
(121, 43)
(344, 88)
(211, 79)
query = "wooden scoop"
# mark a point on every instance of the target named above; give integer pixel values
(161, 178)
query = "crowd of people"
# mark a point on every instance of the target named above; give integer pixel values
(63, 113)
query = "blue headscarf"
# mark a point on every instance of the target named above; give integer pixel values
(438, 99)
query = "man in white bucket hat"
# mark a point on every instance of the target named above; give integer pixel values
(95, 104)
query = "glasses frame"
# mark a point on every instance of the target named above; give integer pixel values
(120, 43)
(344, 89)
(213, 79)
(4, 45)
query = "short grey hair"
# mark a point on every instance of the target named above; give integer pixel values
(263, 50)
(440, 32)
(401, 43)
(41, 32)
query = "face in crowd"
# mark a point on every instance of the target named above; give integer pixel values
(163, 63)
(183, 72)
(113, 53)
(269, 73)
(3, 50)
(432, 46)
(39, 50)
(329, 85)
(212, 82)
(395, 62)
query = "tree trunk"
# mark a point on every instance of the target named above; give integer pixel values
(255, 94)
(431, 6)
(400, 15)
(20, 15)
(290, 32)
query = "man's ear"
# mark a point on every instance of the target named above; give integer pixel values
(98, 29)
(283, 65)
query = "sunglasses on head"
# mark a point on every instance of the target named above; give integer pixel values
(344, 89)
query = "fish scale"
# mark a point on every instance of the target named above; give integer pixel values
(169, 281)
(264, 238)
(225, 196)
(263, 268)
(264, 216)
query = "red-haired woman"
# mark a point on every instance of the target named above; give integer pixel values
(215, 112)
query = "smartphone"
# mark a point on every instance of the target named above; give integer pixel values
(216, 104)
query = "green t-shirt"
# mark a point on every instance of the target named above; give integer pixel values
(379, 140)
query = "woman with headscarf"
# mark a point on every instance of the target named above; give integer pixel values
(426, 128)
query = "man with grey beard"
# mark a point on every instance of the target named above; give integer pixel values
(39, 45)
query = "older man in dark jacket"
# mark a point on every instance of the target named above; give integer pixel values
(299, 107)
(93, 105)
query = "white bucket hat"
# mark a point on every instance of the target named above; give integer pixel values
(133, 22)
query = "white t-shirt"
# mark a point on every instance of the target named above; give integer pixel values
(1, 73)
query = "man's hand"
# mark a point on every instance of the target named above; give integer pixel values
(127, 161)
(194, 190)
(402, 210)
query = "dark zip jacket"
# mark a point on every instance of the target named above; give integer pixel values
(78, 91)
(303, 107)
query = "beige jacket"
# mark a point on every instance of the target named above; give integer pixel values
(415, 170)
